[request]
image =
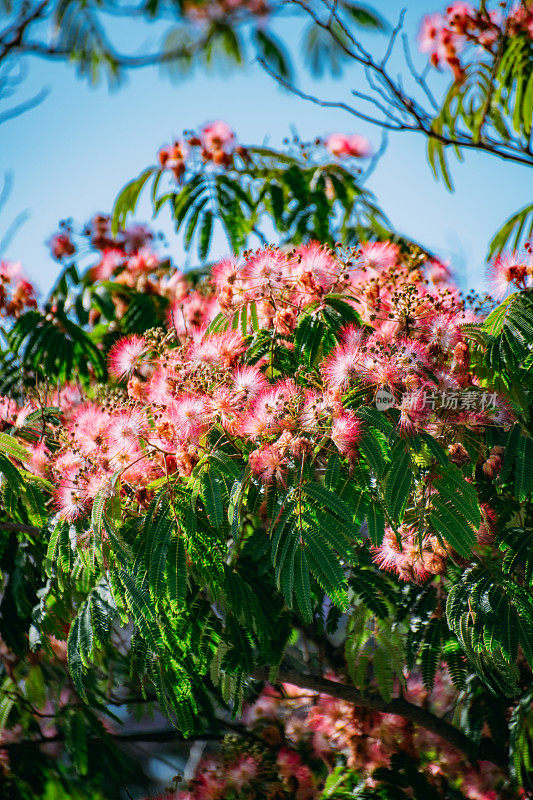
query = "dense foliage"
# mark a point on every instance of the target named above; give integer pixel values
(319, 463)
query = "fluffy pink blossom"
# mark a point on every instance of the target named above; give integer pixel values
(346, 431)
(69, 501)
(272, 410)
(344, 145)
(249, 382)
(135, 236)
(112, 259)
(437, 271)
(217, 136)
(173, 157)
(343, 366)
(123, 432)
(222, 406)
(67, 465)
(414, 410)
(509, 271)
(379, 255)
(444, 332)
(158, 388)
(89, 428)
(459, 14)
(242, 773)
(315, 268)
(266, 268)
(61, 245)
(125, 355)
(188, 415)
(411, 354)
(11, 271)
(269, 464)
(225, 273)
(317, 411)
(402, 559)
(144, 261)
(94, 483)
(39, 459)
(222, 349)
(8, 409)
(428, 35)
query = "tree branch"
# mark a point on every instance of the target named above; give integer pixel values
(120, 59)
(137, 736)
(501, 150)
(14, 227)
(11, 37)
(21, 108)
(19, 527)
(415, 117)
(398, 706)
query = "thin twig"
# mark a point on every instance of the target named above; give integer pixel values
(392, 40)
(326, 103)
(11, 232)
(26, 105)
(418, 76)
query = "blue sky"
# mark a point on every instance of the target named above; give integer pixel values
(71, 155)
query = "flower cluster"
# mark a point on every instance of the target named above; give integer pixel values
(344, 145)
(240, 771)
(511, 271)
(445, 36)
(16, 292)
(61, 244)
(215, 143)
(200, 378)
(129, 258)
(220, 10)
(299, 737)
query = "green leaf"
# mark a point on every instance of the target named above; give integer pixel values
(521, 221)
(398, 482)
(35, 501)
(331, 476)
(329, 500)
(53, 545)
(302, 587)
(371, 448)
(126, 201)
(452, 526)
(139, 604)
(11, 447)
(376, 523)
(326, 568)
(176, 570)
(365, 17)
(308, 337)
(11, 474)
(206, 231)
(76, 741)
(75, 662)
(158, 542)
(272, 51)
(212, 497)
(431, 652)
(493, 324)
